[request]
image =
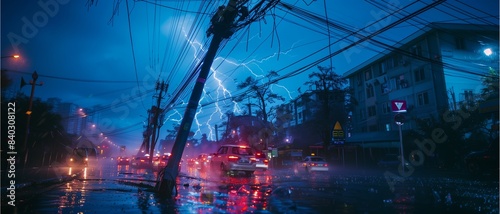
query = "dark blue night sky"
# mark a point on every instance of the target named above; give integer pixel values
(112, 54)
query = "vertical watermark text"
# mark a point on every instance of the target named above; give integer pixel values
(11, 153)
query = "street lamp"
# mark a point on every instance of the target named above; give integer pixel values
(15, 56)
(487, 51)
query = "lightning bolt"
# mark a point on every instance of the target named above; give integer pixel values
(284, 88)
(221, 91)
(222, 94)
(171, 116)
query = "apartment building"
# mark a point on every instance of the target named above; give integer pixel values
(433, 70)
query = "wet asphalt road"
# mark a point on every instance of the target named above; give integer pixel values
(105, 187)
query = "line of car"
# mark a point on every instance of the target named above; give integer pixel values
(238, 158)
(229, 159)
(157, 162)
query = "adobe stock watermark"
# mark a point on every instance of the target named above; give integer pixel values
(427, 146)
(31, 25)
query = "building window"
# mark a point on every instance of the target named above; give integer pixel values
(399, 82)
(416, 50)
(369, 91)
(386, 108)
(459, 43)
(372, 111)
(393, 83)
(381, 69)
(423, 98)
(419, 74)
(384, 88)
(361, 95)
(388, 64)
(362, 115)
(368, 74)
(360, 78)
(397, 60)
(403, 82)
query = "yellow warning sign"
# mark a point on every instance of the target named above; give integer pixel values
(337, 127)
(338, 132)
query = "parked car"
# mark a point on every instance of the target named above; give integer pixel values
(123, 160)
(261, 161)
(234, 158)
(312, 164)
(479, 163)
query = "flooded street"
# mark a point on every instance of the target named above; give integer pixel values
(105, 187)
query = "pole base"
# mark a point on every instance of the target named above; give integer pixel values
(165, 188)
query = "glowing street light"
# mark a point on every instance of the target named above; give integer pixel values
(15, 56)
(487, 51)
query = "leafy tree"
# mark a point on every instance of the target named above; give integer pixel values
(332, 92)
(47, 140)
(6, 80)
(467, 128)
(172, 133)
(260, 94)
(490, 81)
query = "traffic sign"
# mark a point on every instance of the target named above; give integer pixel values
(338, 134)
(398, 105)
(399, 119)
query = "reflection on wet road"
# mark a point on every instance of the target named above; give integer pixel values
(108, 188)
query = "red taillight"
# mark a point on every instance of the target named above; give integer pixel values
(233, 158)
(266, 161)
(325, 164)
(313, 164)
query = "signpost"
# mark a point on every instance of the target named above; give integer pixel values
(399, 106)
(338, 134)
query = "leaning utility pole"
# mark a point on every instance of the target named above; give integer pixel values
(221, 29)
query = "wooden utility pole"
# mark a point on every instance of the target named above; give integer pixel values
(221, 29)
(157, 115)
(34, 77)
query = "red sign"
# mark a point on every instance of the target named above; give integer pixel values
(398, 105)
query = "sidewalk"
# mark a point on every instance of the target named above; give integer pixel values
(20, 182)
